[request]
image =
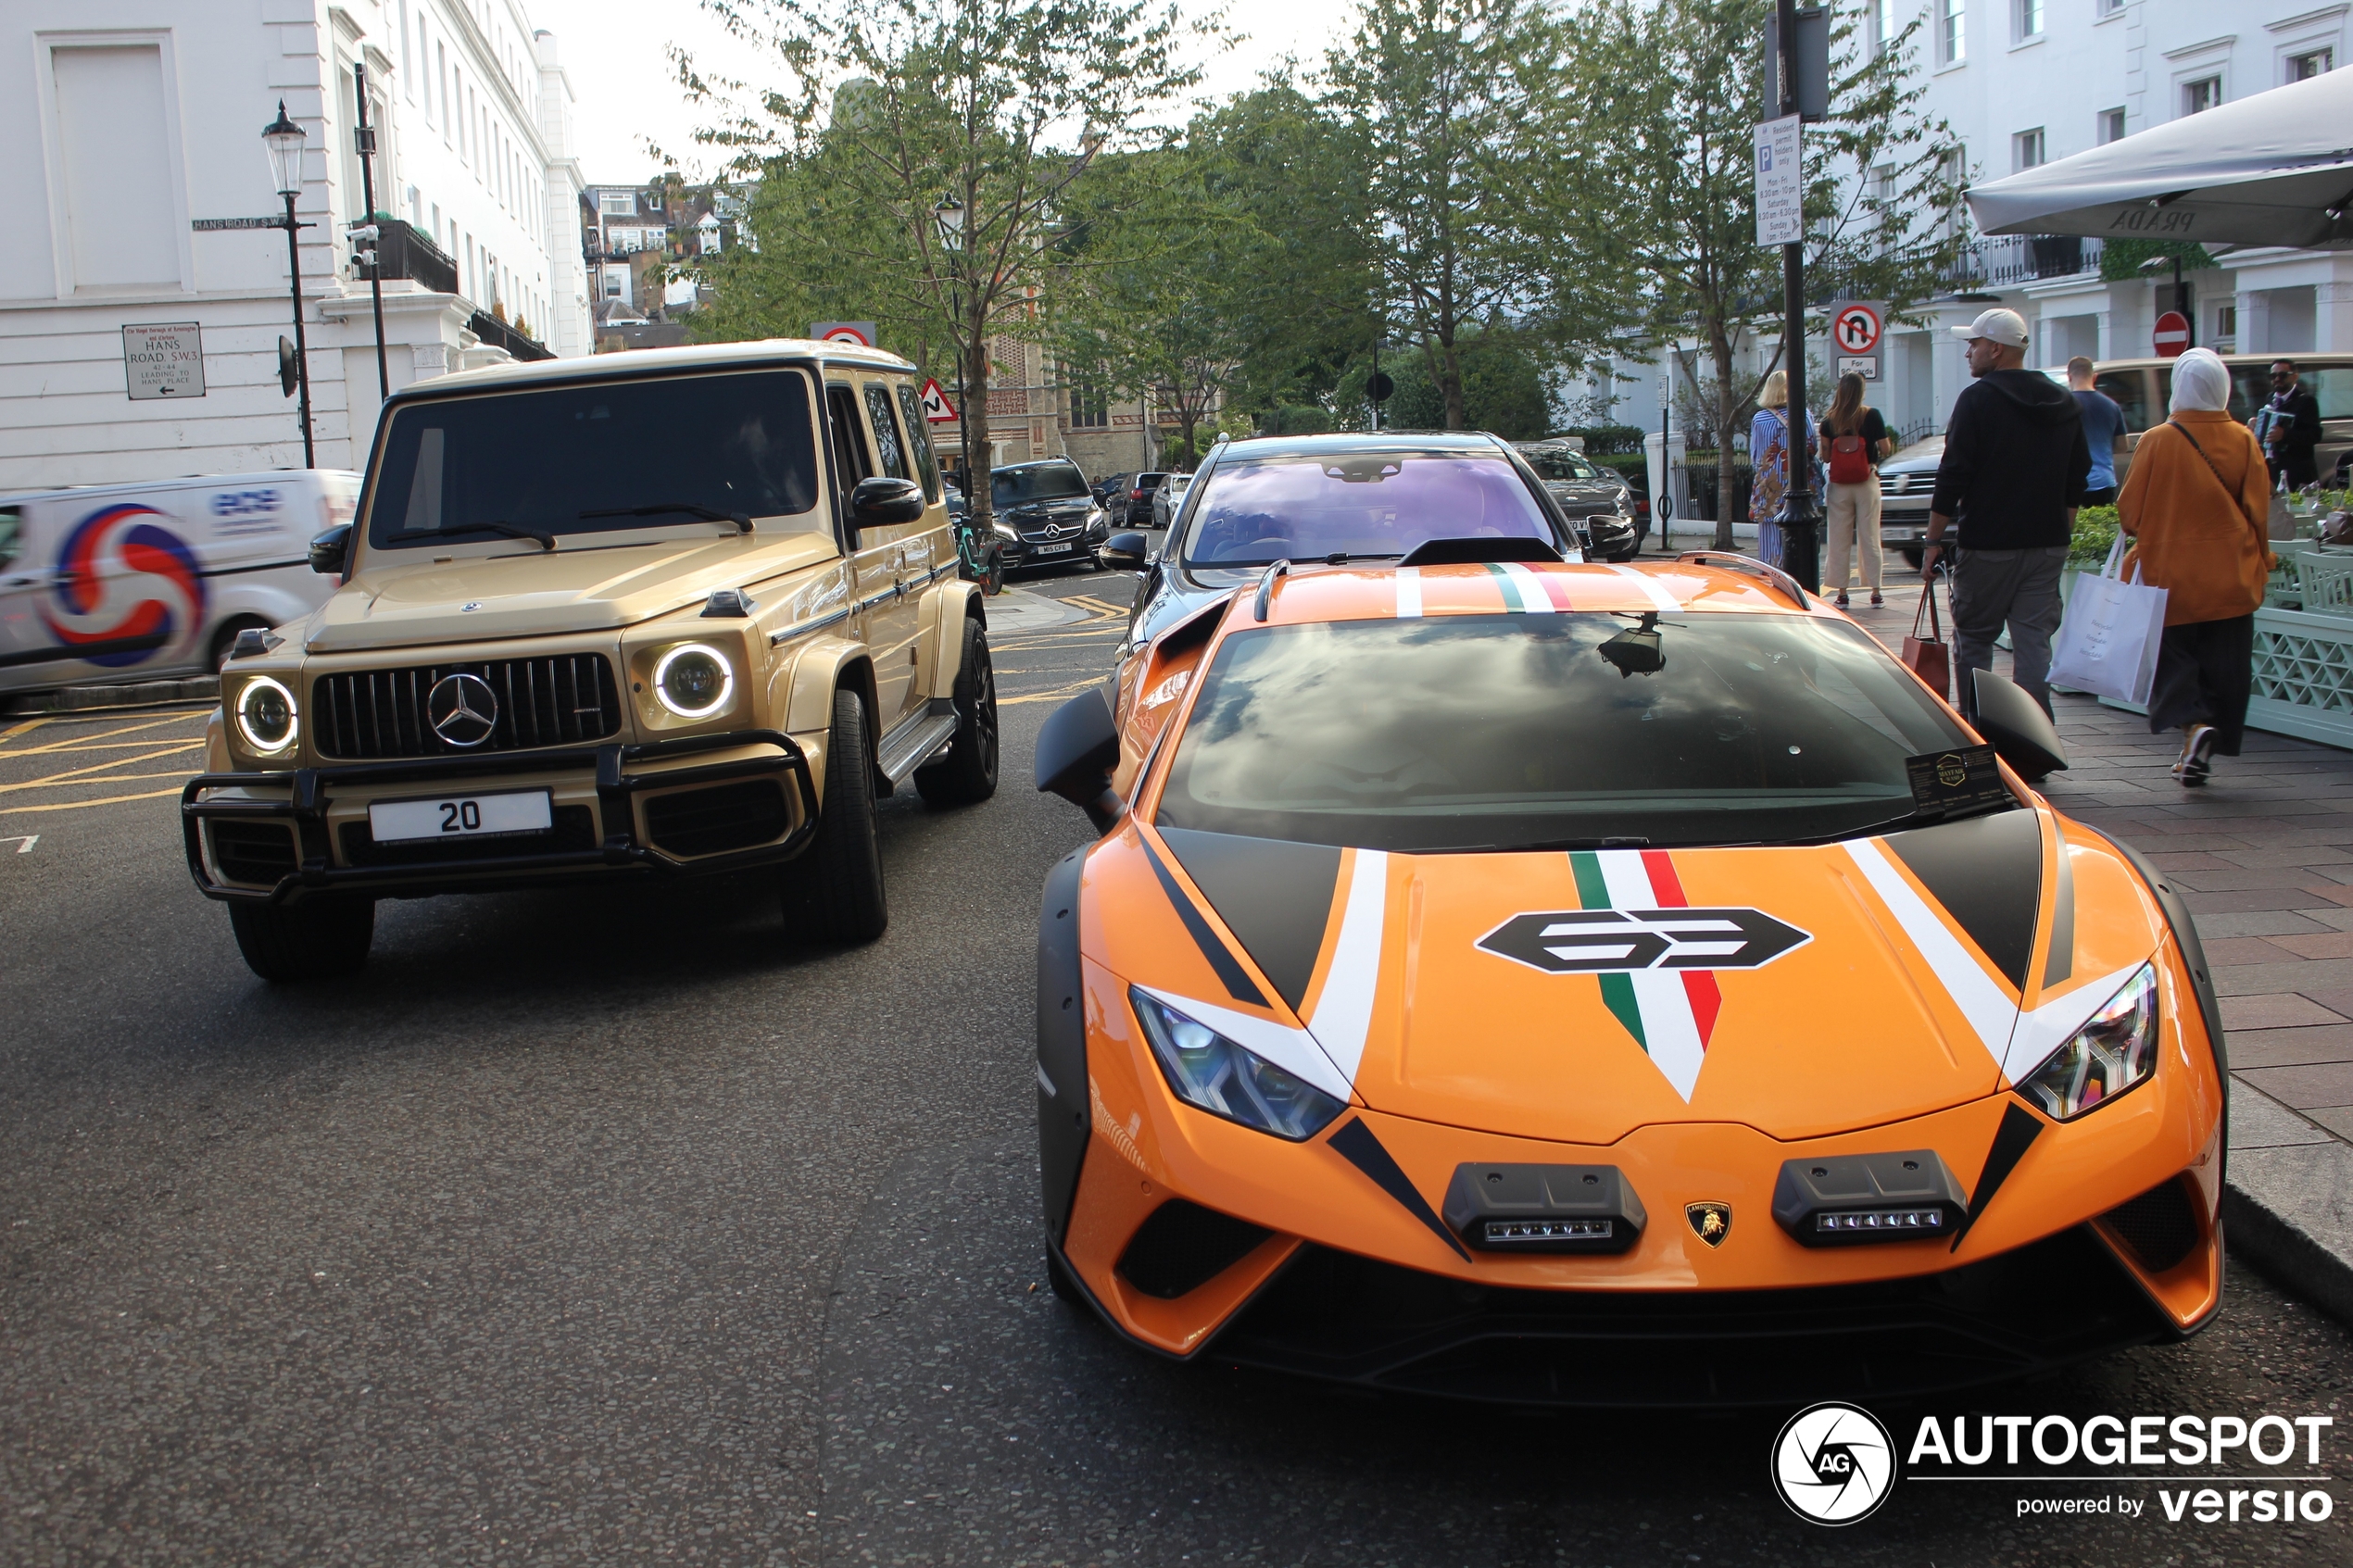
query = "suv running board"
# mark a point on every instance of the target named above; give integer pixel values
(913, 739)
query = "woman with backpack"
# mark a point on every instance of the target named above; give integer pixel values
(2197, 505)
(1859, 439)
(1769, 445)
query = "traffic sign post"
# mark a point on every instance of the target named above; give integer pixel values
(1781, 190)
(2173, 335)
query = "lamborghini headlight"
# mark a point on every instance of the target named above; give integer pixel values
(2110, 1053)
(1207, 1070)
(266, 715)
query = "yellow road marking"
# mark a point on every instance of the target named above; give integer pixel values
(1049, 696)
(90, 740)
(29, 724)
(78, 805)
(121, 778)
(68, 776)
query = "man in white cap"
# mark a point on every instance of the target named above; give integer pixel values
(2012, 475)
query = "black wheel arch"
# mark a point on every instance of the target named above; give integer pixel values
(1063, 1115)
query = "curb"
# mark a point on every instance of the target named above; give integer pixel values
(2288, 1205)
(75, 699)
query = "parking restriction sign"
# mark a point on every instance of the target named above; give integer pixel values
(1855, 325)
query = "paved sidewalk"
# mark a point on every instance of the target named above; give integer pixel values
(2263, 857)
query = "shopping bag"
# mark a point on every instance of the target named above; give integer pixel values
(1930, 658)
(2107, 643)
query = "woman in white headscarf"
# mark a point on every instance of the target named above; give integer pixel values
(2196, 503)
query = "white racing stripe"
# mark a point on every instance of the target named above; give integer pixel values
(1670, 1031)
(1532, 597)
(1659, 597)
(1987, 1007)
(1344, 1009)
(1409, 592)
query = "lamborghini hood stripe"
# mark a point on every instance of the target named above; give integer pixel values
(1344, 1007)
(1409, 592)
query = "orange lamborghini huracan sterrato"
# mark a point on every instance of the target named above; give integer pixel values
(1491, 965)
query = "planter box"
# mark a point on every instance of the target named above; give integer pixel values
(2303, 677)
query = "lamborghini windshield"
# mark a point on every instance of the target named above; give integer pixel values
(1559, 731)
(1359, 503)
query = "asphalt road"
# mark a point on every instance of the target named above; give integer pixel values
(607, 1227)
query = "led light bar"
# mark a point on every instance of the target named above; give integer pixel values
(1506, 1232)
(1883, 1219)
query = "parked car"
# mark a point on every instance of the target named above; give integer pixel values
(1906, 482)
(137, 582)
(1448, 967)
(646, 614)
(1587, 490)
(2143, 389)
(1127, 498)
(1169, 499)
(1045, 516)
(1365, 496)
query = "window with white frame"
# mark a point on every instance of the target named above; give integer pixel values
(621, 204)
(2310, 63)
(1884, 26)
(2202, 94)
(2026, 149)
(2103, 9)
(1952, 32)
(2027, 16)
(2112, 125)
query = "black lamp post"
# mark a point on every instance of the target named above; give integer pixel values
(365, 230)
(285, 139)
(950, 215)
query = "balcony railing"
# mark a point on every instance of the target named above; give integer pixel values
(2011, 259)
(403, 252)
(496, 332)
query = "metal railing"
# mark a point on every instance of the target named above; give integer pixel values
(2009, 259)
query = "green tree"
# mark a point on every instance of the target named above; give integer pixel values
(1654, 186)
(1504, 390)
(898, 109)
(1453, 106)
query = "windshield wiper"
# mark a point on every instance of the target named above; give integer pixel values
(1913, 819)
(1537, 845)
(741, 520)
(546, 541)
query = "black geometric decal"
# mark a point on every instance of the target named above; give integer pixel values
(1622, 941)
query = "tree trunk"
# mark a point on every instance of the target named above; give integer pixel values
(979, 454)
(1719, 347)
(1450, 382)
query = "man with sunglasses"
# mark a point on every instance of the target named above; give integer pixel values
(2294, 427)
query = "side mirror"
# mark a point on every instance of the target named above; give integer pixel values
(877, 502)
(2015, 724)
(1077, 748)
(1128, 549)
(331, 549)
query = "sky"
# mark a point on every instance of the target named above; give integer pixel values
(616, 54)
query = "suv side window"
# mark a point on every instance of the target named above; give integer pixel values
(919, 441)
(894, 454)
(2332, 389)
(2129, 390)
(852, 462)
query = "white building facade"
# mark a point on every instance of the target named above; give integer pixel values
(140, 118)
(2022, 83)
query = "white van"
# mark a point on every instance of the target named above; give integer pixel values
(144, 582)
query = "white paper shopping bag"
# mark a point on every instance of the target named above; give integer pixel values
(2107, 644)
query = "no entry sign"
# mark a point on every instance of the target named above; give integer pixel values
(2173, 335)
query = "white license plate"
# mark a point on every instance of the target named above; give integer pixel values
(460, 816)
(1050, 550)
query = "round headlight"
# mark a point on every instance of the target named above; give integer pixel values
(266, 715)
(694, 682)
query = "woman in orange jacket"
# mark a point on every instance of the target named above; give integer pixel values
(2196, 503)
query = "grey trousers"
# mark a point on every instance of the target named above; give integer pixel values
(2018, 586)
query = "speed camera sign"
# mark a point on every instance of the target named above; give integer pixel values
(1855, 325)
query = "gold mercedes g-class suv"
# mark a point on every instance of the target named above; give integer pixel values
(656, 613)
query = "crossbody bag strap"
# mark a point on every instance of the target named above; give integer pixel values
(2210, 464)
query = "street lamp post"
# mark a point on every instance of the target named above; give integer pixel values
(950, 215)
(285, 139)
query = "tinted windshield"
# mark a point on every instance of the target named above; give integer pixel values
(1561, 465)
(1515, 731)
(538, 459)
(1047, 481)
(1254, 510)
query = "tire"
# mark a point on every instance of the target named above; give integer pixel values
(832, 892)
(317, 940)
(1059, 1279)
(968, 774)
(225, 637)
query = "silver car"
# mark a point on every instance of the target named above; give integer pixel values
(1169, 499)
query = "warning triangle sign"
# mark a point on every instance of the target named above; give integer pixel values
(937, 408)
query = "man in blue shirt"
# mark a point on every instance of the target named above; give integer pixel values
(2103, 423)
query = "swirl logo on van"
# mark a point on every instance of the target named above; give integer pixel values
(126, 587)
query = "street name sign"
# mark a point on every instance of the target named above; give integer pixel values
(2173, 335)
(937, 409)
(1781, 190)
(164, 360)
(212, 225)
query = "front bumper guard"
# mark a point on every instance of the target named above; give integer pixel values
(616, 789)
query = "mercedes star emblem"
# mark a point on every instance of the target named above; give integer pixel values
(463, 709)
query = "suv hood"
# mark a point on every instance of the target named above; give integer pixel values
(1577, 997)
(530, 593)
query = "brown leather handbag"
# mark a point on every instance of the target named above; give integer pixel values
(1930, 658)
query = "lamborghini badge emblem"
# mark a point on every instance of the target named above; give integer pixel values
(1711, 1221)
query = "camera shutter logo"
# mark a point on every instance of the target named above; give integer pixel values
(1833, 1463)
(463, 708)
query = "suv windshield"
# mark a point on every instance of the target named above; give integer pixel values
(1038, 481)
(1527, 731)
(538, 459)
(1559, 463)
(1252, 512)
